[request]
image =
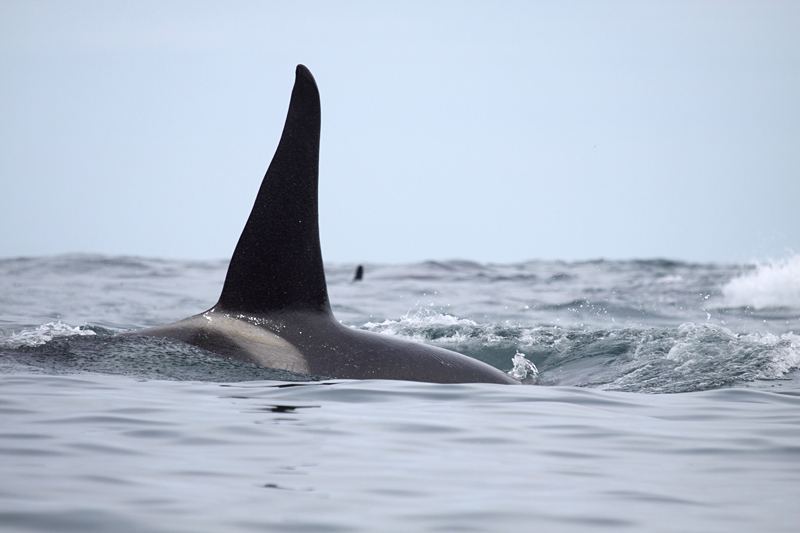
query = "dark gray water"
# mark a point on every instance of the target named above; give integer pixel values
(99, 433)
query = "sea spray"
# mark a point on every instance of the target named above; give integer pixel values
(771, 284)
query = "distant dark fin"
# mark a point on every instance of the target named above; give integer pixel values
(277, 264)
(359, 273)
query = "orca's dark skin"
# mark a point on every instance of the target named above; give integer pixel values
(274, 309)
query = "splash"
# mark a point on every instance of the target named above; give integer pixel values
(44, 334)
(772, 284)
(523, 370)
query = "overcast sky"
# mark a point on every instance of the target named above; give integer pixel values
(491, 131)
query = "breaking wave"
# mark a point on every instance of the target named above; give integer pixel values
(772, 284)
(687, 358)
(43, 334)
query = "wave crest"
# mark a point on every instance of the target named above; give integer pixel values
(772, 284)
(44, 334)
(688, 358)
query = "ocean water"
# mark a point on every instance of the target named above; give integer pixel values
(661, 396)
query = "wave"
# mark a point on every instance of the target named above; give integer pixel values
(771, 284)
(686, 358)
(43, 334)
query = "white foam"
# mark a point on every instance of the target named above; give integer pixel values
(786, 355)
(772, 284)
(43, 334)
(413, 325)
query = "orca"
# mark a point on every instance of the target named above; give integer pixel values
(274, 309)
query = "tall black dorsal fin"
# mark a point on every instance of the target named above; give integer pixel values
(277, 264)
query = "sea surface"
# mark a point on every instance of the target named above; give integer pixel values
(660, 396)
